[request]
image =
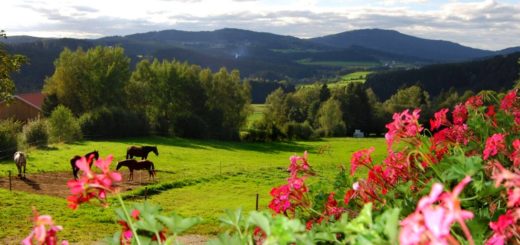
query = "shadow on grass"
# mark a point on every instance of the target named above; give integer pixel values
(267, 147)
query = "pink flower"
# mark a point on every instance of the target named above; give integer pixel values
(435, 214)
(331, 207)
(460, 114)
(361, 157)
(295, 167)
(515, 156)
(91, 185)
(494, 145)
(439, 119)
(503, 229)
(40, 233)
(405, 125)
(508, 101)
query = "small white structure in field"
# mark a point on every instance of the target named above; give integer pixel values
(358, 134)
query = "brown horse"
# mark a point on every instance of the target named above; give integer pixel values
(140, 151)
(75, 169)
(137, 165)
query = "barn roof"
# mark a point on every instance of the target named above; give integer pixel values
(34, 99)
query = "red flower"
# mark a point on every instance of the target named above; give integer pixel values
(439, 119)
(508, 101)
(349, 195)
(494, 145)
(491, 111)
(474, 101)
(259, 235)
(331, 207)
(460, 114)
(280, 202)
(361, 157)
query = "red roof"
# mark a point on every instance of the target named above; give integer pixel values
(35, 99)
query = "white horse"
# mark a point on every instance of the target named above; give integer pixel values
(20, 158)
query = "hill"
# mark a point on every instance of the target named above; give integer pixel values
(258, 55)
(496, 73)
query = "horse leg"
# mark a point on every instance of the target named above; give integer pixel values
(131, 177)
(24, 167)
(19, 167)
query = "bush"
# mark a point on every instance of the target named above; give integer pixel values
(63, 126)
(113, 122)
(35, 133)
(8, 132)
(301, 131)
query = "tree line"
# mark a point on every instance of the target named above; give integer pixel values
(317, 111)
(161, 97)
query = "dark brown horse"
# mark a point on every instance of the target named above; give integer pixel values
(75, 169)
(133, 164)
(140, 151)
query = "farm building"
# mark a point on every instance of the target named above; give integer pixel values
(23, 107)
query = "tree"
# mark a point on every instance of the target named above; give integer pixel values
(355, 106)
(8, 64)
(324, 93)
(408, 98)
(330, 118)
(63, 126)
(83, 81)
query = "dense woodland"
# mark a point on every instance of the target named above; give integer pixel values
(161, 97)
(497, 73)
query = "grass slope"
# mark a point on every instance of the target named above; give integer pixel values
(195, 178)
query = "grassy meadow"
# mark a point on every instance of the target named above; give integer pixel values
(195, 178)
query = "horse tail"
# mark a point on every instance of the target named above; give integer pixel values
(153, 170)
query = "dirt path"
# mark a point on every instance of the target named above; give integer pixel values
(55, 184)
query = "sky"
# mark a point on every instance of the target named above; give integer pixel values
(486, 24)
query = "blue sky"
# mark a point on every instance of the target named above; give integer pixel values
(487, 24)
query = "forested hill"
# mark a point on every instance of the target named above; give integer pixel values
(259, 56)
(398, 43)
(496, 73)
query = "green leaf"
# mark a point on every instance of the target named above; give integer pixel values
(149, 223)
(177, 224)
(261, 221)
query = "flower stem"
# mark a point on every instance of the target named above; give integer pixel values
(129, 219)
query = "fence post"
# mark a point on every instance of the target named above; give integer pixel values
(10, 185)
(256, 201)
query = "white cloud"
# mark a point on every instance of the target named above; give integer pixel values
(483, 24)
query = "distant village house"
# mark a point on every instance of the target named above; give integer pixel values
(23, 107)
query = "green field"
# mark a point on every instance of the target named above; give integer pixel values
(215, 175)
(257, 115)
(344, 64)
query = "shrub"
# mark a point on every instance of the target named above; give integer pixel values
(35, 133)
(63, 126)
(301, 131)
(8, 137)
(113, 122)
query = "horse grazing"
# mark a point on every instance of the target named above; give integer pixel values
(133, 164)
(91, 156)
(20, 158)
(140, 151)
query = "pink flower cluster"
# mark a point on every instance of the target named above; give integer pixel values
(41, 234)
(90, 184)
(404, 125)
(435, 214)
(288, 196)
(506, 226)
